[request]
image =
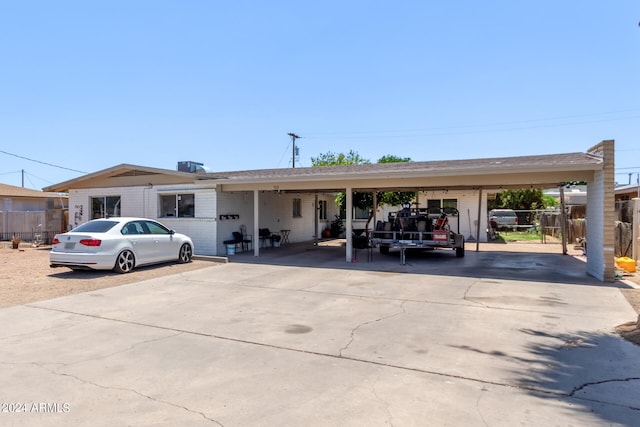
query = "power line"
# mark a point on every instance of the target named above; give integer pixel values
(41, 162)
(469, 129)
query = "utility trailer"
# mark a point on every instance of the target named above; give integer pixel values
(415, 228)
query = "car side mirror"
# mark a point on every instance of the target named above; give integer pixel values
(172, 232)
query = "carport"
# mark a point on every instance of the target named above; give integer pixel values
(595, 166)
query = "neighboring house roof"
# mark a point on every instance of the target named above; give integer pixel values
(627, 188)
(126, 175)
(631, 190)
(499, 172)
(10, 191)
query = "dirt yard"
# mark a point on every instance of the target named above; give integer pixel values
(25, 276)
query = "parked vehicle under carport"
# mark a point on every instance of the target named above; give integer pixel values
(419, 229)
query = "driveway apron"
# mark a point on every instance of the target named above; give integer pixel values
(439, 341)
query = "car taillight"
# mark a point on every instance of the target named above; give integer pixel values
(516, 220)
(90, 242)
(55, 241)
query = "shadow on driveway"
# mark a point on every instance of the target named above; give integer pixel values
(497, 265)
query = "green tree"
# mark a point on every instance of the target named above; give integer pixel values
(337, 159)
(520, 199)
(389, 158)
(363, 200)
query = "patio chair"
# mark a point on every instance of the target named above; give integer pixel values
(237, 240)
(267, 236)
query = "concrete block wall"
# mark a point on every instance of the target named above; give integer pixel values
(132, 202)
(234, 203)
(601, 215)
(143, 202)
(276, 213)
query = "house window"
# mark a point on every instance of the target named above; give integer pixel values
(297, 208)
(434, 205)
(105, 207)
(177, 205)
(360, 213)
(450, 203)
(322, 209)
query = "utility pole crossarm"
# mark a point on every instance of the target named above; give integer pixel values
(293, 139)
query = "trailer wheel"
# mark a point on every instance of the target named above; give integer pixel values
(384, 250)
(460, 252)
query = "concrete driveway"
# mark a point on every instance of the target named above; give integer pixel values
(301, 338)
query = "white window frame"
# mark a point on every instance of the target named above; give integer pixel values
(180, 208)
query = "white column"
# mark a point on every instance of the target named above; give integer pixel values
(256, 223)
(349, 225)
(375, 210)
(315, 220)
(636, 228)
(479, 219)
(563, 218)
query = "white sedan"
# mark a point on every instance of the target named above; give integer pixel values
(119, 244)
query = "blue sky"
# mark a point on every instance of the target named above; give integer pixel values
(89, 85)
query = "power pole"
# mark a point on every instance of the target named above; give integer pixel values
(293, 140)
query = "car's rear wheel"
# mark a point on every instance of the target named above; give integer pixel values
(125, 262)
(186, 253)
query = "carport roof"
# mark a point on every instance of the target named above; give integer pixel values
(496, 172)
(534, 163)
(532, 170)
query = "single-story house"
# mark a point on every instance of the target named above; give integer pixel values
(626, 192)
(210, 206)
(24, 210)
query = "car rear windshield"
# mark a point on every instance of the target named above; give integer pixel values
(95, 227)
(503, 213)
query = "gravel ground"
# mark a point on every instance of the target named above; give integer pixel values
(25, 276)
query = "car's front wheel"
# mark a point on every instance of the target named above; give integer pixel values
(125, 262)
(186, 253)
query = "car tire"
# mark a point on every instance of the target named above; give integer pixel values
(124, 262)
(460, 252)
(185, 254)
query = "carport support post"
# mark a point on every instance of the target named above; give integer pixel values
(349, 226)
(479, 218)
(635, 252)
(256, 223)
(563, 218)
(315, 220)
(375, 211)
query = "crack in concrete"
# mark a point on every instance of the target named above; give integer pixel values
(39, 331)
(531, 389)
(478, 407)
(384, 402)
(617, 380)
(475, 304)
(131, 347)
(145, 396)
(368, 322)
(466, 298)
